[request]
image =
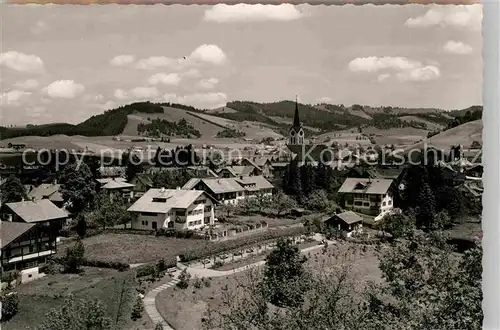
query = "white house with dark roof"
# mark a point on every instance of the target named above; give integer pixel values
(346, 223)
(368, 196)
(173, 209)
(232, 190)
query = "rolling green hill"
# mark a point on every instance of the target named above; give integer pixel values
(259, 119)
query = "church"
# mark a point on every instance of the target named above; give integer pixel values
(306, 152)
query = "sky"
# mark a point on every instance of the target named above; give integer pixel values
(64, 63)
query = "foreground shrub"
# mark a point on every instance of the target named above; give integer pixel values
(138, 309)
(184, 278)
(10, 305)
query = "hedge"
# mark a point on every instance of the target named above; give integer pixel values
(151, 268)
(227, 246)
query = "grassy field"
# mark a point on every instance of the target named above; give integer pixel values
(184, 309)
(129, 248)
(430, 125)
(463, 134)
(116, 291)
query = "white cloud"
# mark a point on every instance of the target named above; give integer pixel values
(65, 89)
(406, 69)
(191, 73)
(21, 62)
(171, 79)
(222, 13)
(383, 77)
(425, 73)
(464, 16)
(457, 47)
(144, 92)
(209, 53)
(155, 62)
(27, 84)
(325, 99)
(94, 98)
(12, 97)
(39, 27)
(198, 100)
(122, 60)
(120, 94)
(208, 83)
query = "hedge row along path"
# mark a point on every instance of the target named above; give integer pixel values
(150, 298)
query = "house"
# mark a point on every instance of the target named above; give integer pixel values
(25, 247)
(142, 183)
(368, 196)
(117, 186)
(173, 209)
(262, 163)
(346, 223)
(50, 191)
(237, 171)
(41, 211)
(232, 190)
(29, 236)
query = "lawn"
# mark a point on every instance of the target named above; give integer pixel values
(115, 290)
(130, 248)
(184, 309)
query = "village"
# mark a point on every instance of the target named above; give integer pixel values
(145, 229)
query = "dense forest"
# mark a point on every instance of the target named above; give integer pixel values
(161, 127)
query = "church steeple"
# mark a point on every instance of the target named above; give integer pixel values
(296, 134)
(296, 118)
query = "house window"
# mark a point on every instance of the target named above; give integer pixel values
(207, 220)
(383, 204)
(358, 203)
(159, 200)
(390, 202)
(181, 213)
(366, 204)
(208, 208)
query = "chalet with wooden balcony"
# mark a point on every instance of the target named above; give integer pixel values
(368, 196)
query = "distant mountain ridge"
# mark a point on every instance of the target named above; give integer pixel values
(320, 117)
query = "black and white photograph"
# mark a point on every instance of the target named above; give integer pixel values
(223, 167)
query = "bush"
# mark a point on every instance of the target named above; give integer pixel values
(237, 244)
(184, 278)
(138, 309)
(154, 269)
(197, 283)
(10, 276)
(10, 305)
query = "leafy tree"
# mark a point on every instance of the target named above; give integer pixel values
(77, 314)
(441, 221)
(282, 202)
(74, 257)
(110, 211)
(78, 186)
(283, 275)
(318, 201)
(263, 202)
(398, 225)
(292, 181)
(10, 305)
(226, 210)
(230, 133)
(12, 190)
(137, 309)
(429, 287)
(159, 326)
(81, 225)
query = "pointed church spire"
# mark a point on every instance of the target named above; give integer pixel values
(296, 119)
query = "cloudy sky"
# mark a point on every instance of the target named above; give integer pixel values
(66, 63)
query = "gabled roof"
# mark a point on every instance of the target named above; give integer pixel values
(144, 179)
(106, 180)
(9, 231)
(117, 184)
(175, 199)
(365, 186)
(46, 190)
(261, 160)
(36, 211)
(240, 170)
(349, 217)
(229, 185)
